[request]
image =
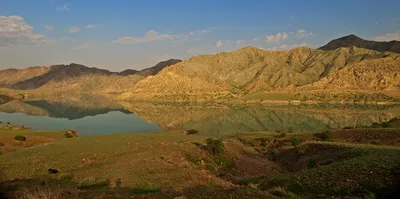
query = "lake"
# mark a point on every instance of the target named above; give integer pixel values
(100, 116)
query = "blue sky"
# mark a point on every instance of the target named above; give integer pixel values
(121, 34)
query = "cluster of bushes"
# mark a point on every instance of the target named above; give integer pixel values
(214, 146)
(324, 136)
(20, 138)
(296, 141)
(192, 131)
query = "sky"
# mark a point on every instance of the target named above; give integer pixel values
(136, 34)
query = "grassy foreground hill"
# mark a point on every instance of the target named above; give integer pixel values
(326, 164)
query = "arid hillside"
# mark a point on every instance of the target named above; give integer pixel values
(249, 70)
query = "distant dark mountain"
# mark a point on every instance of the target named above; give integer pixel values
(59, 73)
(352, 40)
(128, 72)
(152, 70)
(157, 68)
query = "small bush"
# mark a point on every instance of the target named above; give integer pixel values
(376, 142)
(1, 144)
(192, 131)
(20, 138)
(263, 141)
(66, 177)
(214, 146)
(326, 135)
(296, 141)
(312, 163)
(194, 159)
(302, 149)
(282, 135)
(197, 144)
(274, 151)
(68, 135)
(143, 189)
(246, 142)
(347, 127)
(290, 130)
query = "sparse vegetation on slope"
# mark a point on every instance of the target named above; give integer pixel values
(248, 70)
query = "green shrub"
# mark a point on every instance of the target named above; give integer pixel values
(386, 125)
(192, 131)
(194, 159)
(296, 141)
(302, 149)
(144, 189)
(326, 135)
(290, 130)
(20, 138)
(274, 151)
(282, 135)
(263, 141)
(66, 177)
(245, 141)
(68, 135)
(214, 146)
(376, 142)
(312, 163)
(347, 127)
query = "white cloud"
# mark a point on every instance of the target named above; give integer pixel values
(49, 28)
(150, 36)
(86, 46)
(302, 33)
(219, 44)
(287, 47)
(239, 42)
(64, 7)
(93, 26)
(278, 38)
(389, 37)
(74, 29)
(14, 30)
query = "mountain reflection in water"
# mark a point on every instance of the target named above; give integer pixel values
(101, 116)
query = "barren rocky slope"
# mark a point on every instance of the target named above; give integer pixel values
(248, 70)
(58, 80)
(373, 75)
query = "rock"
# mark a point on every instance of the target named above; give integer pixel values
(181, 197)
(73, 133)
(52, 171)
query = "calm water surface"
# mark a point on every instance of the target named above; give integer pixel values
(91, 117)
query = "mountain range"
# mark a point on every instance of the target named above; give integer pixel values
(353, 40)
(345, 64)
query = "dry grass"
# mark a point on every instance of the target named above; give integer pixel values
(39, 193)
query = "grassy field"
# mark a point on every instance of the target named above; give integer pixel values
(8, 133)
(362, 163)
